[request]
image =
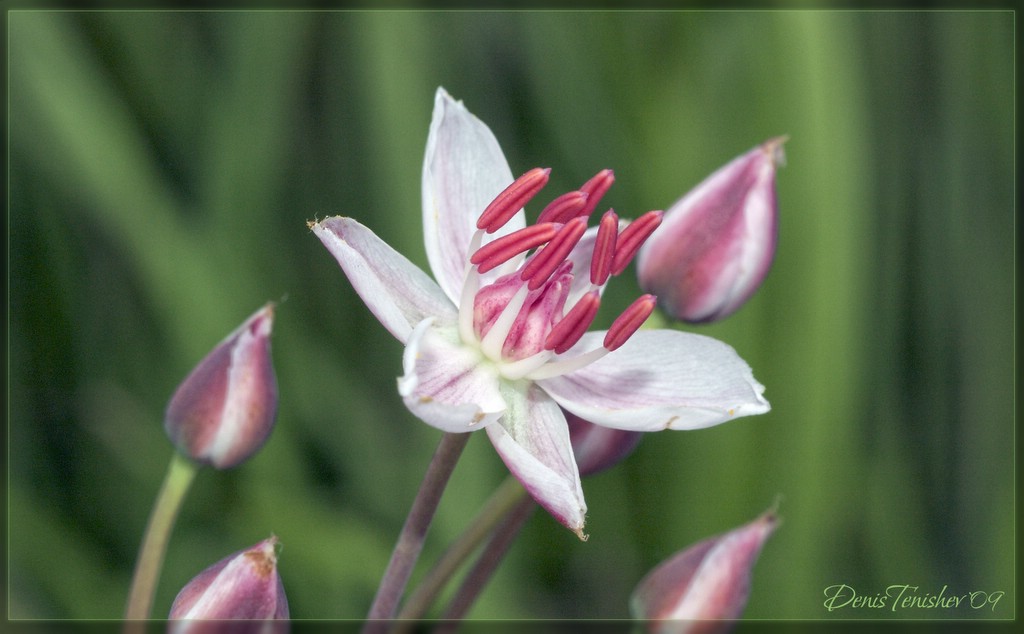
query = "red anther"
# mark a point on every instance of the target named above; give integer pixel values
(604, 248)
(564, 208)
(510, 201)
(596, 188)
(503, 249)
(544, 262)
(633, 237)
(629, 321)
(574, 325)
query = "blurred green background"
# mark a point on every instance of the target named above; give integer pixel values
(163, 166)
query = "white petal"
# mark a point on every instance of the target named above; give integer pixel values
(533, 440)
(394, 289)
(464, 169)
(660, 379)
(445, 383)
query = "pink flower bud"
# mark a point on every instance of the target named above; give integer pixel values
(701, 588)
(244, 585)
(597, 448)
(716, 244)
(224, 410)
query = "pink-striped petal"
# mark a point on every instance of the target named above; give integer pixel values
(393, 288)
(660, 379)
(463, 171)
(533, 440)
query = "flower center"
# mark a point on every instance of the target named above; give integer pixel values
(538, 307)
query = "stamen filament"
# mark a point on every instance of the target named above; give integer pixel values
(505, 248)
(539, 269)
(604, 248)
(514, 370)
(633, 237)
(512, 199)
(626, 324)
(494, 340)
(475, 240)
(470, 286)
(565, 366)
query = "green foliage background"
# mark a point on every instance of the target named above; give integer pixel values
(162, 169)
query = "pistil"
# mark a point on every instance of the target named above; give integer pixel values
(624, 327)
(509, 317)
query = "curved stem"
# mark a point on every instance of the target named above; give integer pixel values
(487, 563)
(180, 474)
(498, 507)
(414, 531)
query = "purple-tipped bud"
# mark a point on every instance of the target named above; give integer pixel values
(716, 244)
(597, 448)
(224, 410)
(244, 585)
(705, 586)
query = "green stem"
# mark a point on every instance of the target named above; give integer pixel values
(414, 531)
(179, 477)
(501, 503)
(494, 551)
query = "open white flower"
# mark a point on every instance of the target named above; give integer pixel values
(500, 340)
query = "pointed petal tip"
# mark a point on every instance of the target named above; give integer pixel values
(579, 533)
(771, 515)
(442, 95)
(774, 148)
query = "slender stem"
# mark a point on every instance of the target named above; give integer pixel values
(485, 566)
(498, 507)
(179, 477)
(414, 531)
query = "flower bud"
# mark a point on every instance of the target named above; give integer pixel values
(597, 448)
(224, 410)
(715, 245)
(701, 588)
(244, 585)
